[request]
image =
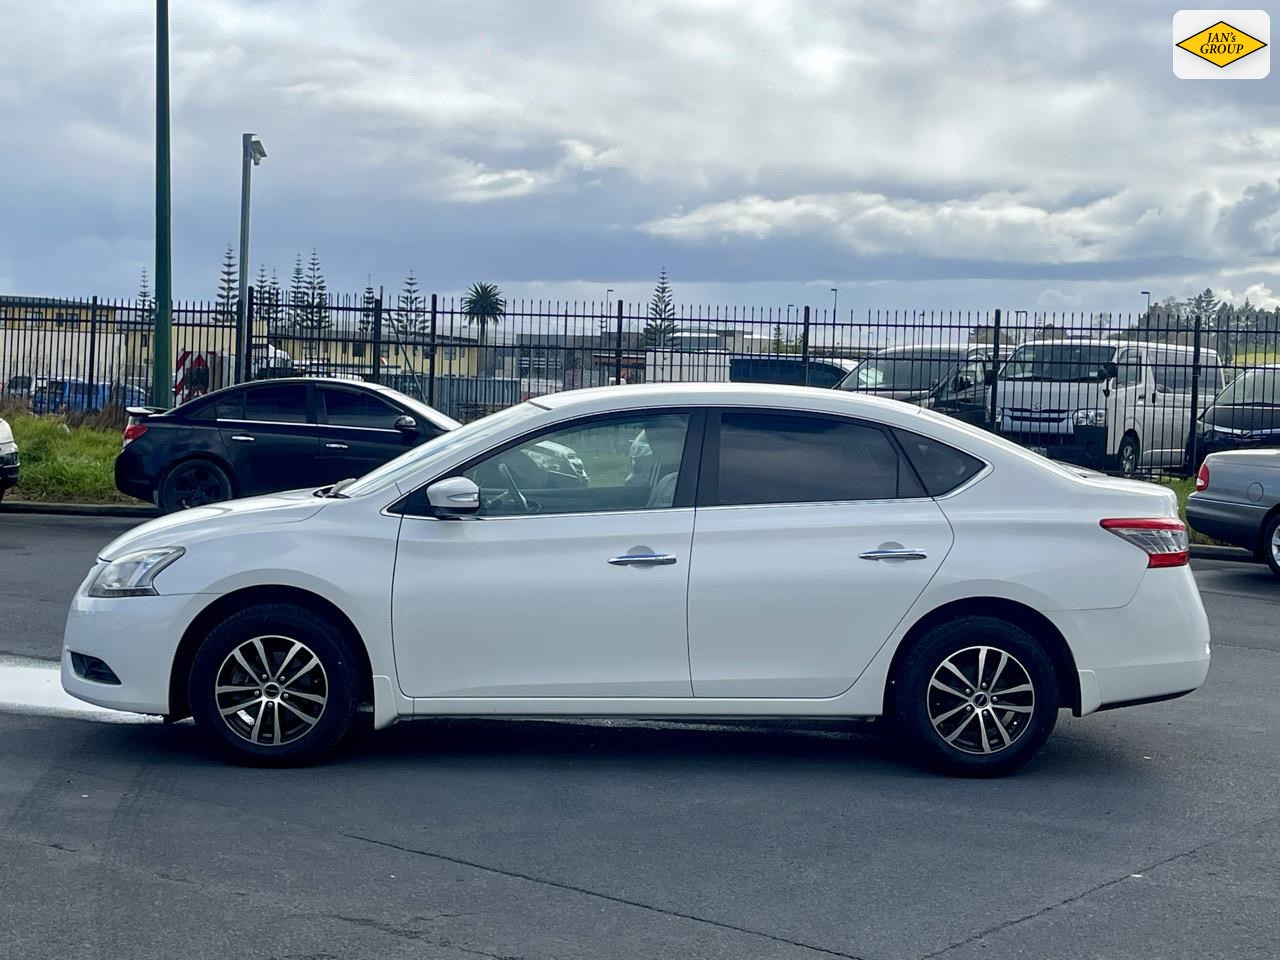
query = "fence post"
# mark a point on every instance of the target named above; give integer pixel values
(431, 363)
(804, 346)
(995, 369)
(377, 340)
(617, 350)
(91, 373)
(1193, 439)
(246, 363)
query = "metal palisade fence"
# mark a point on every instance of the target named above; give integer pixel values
(1131, 393)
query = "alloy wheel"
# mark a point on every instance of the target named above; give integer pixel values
(271, 690)
(196, 486)
(980, 700)
(1275, 544)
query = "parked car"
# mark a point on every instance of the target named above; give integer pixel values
(80, 396)
(23, 385)
(851, 557)
(1244, 416)
(949, 378)
(1108, 404)
(790, 369)
(267, 436)
(9, 462)
(1237, 501)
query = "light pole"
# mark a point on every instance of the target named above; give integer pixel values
(1147, 294)
(835, 300)
(252, 153)
(162, 336)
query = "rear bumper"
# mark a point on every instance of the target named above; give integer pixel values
(131, 479)
(1154, 648)
(1239, 524)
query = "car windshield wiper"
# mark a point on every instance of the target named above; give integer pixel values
(334, 492)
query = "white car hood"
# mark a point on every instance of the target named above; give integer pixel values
(6, 432)
(178, 529)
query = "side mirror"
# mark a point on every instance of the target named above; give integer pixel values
(455, 496)
(962, 383)
(1109, 370)
(406, 423)
(989, 378)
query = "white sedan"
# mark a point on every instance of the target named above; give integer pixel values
(784, 552)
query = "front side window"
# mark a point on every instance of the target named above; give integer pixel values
(276, 403)
(628, 463)
(1130, 371)
(770, 457)
(353, 408)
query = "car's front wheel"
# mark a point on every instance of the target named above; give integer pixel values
(976, 696)
(274, 684)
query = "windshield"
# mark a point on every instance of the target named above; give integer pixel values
(1058, 361)
(441, 447)
(901, 371)
(1260, 387)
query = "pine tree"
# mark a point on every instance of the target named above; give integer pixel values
(317, 295)
(144, 290)
(779, 342)
(660, 328)
(266, 298)
(368, 307)
(409, 306)
(228, 287)
(297, 304)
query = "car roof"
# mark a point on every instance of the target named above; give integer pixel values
(642, 395)
(1120, 345)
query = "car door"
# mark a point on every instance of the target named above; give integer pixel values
(1169, 410)
(358, 431)
(271, 438)
(557, 587)
(814, 537)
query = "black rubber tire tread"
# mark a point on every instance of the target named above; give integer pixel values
(911, 685)
(327, 641)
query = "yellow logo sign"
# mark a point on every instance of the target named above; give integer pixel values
(1221, 44)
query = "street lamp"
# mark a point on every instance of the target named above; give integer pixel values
(252, 153)
(835, 299)
(1147, 294)
(161, 341)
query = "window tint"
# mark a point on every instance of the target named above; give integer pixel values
(351, 408)
(1130, 364)
(941, 468)
(785, 458)
(279, 402)
(1172, 377)
(629, 463)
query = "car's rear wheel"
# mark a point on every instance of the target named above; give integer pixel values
(274, 684)
(193, 483)
(976, 696)
(1271, 544)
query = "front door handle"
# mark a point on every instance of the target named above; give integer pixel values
(643, 560)
(243, 437)
(335, 446)
(903, 553)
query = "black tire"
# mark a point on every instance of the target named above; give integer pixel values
(927, 715)
(249, 735)
(193, 483)
(1128, 454)
(1269, 546)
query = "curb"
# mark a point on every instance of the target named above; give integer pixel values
(119, 510)
(1204, 551)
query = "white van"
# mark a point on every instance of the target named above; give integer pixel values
(1109, 404)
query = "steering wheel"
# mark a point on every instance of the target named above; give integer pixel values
(514, 492)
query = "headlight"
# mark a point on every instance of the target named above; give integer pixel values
(131, 575)
(1094, 417)
(8, 448)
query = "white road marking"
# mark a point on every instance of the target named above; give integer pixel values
(35, 686)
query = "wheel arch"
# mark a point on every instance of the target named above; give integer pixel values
(218, 461)
(1035, 623)
(227, 604)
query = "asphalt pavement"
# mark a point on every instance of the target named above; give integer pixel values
(1151, 832)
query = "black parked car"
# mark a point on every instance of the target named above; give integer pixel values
(262, 437)
(1245, 415)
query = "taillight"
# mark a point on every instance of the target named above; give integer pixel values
(132, 432)
(1164, 541)
(1202, 478)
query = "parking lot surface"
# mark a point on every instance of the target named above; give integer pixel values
(1152, 832)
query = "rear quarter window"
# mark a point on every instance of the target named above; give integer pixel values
(940, 466)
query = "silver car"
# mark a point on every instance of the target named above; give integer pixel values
(1237, 501)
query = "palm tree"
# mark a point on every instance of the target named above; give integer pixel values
(482, 305)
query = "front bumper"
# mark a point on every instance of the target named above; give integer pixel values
(1081, 446)
(1155, 647)
(137, 637)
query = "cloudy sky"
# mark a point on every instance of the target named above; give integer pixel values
(920, 154)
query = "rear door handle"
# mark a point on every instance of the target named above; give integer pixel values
(335, 446)
(643, 560)
(904, 553)
(243, 437)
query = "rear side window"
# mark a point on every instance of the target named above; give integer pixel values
(788, 458)
(277, 403)
(941, 468)
(352, 408)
